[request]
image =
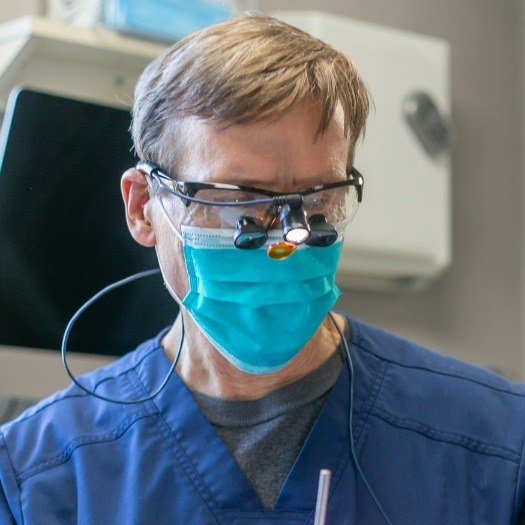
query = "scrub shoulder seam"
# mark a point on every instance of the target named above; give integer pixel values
(80, 394)
(469, 443)
(67, 452)
(359, 343)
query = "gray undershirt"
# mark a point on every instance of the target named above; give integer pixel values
(266, 435)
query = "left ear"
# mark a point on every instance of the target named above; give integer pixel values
(135, 192)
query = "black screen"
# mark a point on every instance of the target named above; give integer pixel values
(63, 234)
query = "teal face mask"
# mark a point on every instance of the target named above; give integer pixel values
(258, 312)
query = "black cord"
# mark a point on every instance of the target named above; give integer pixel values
(84, 307)
(350, 424)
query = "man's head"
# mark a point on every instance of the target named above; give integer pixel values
(248, 69)
(252, 102)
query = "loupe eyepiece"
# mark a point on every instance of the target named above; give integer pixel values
(293, 220)
(322, 233)
(249, 234)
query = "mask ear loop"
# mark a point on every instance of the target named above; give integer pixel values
(82, 309)
(168, 220)
(157, 193)
(350, 425)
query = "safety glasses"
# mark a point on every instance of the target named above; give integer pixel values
(308, 216)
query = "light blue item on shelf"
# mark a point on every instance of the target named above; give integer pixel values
(165, 20)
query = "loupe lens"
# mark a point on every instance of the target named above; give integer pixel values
(249, 240)
(249, 234)
(322, 233)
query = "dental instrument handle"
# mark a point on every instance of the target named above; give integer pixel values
(322, 497)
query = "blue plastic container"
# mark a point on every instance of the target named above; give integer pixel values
(162, 20)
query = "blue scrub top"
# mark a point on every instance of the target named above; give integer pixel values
(440, 442)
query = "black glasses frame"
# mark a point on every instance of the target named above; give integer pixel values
(187, 190)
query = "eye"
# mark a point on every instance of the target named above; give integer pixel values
(317, 201)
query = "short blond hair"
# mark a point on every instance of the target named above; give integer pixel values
(247, 69)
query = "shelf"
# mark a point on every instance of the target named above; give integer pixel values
(94, 64)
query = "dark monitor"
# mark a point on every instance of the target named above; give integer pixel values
(63, 234)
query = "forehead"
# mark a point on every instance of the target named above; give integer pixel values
(277, 154)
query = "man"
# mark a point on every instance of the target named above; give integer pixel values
(246, 132)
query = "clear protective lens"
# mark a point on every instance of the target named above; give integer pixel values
(337, 205)
(220, 216)
(193, 213)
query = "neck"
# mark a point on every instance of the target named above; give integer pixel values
(204, 369)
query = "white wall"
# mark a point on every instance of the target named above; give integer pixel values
(14, 8)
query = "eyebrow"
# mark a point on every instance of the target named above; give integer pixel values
(332, 175)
